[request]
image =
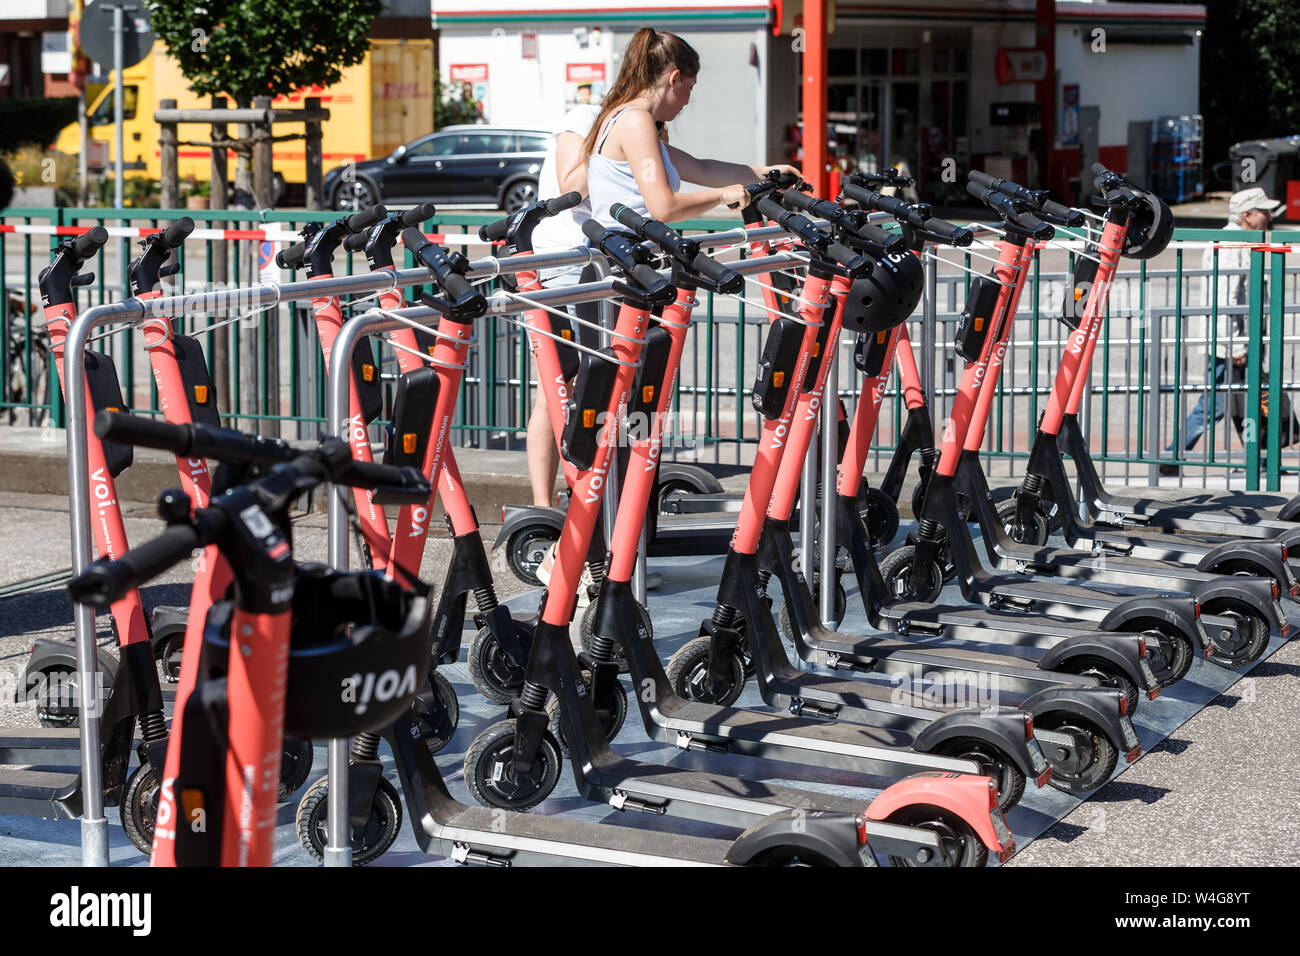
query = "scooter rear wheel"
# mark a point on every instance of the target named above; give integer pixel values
(841, 605)
(494, 781)
(994, 764)
(526, 549)
(56, 703)
(1108, 677)
(295, 766)
(1240, 651)
(688, 675)
(1176, 651)
(494, 674)
(312, 823)
(961, 845)
(1096, 759)
(896, 571)
(169, 658)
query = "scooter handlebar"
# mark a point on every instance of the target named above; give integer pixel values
(421, 213)
(87, 245)
(355, 242)
(176, 234)
(404, 485)
(106, 581)
(1049, 208)
(292, 257)
(360, 221)
(195, 441)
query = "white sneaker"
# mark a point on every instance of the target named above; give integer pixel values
(543, 571)
(585, 583)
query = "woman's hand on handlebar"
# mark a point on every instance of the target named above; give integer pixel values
(735, 196)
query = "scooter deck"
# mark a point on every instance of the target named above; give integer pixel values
(42, 746)
(46, 793)
(986, 625)
(1189, 517)
(875, 751)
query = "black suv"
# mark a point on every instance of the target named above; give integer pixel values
(457, 164)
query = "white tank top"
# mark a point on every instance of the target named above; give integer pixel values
(610, 181)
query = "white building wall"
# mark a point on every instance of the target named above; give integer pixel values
(1129, 82)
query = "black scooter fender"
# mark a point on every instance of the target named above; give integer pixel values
(701, 480)
(1290, 511)
(1099, 705)
(168, 622)
(829, 837)
(518, 517)
(50, 654)
(1002, 728)
(1178, 611)
(1262, 558)
(1120, 651)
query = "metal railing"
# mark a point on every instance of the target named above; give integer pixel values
(1148, 373)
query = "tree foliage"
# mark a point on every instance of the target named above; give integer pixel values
(1250, 72)
(248, 48)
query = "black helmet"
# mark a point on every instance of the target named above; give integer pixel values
(887, 297)
(1150, 227)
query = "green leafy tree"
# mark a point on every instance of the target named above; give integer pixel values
(248, 48)
(1250, 84)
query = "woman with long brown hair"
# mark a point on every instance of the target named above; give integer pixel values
(627, 161)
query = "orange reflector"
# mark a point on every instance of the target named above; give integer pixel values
(1078, 294)
(566, 333)
(368, 372)
(409, 441)
(113, 408)
(880, 338)
(778, 379)
(817, 347)
(588, 417)
(647, 393)
(979, 322)
(201, 394)
(191, 801)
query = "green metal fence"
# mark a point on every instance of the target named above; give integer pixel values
(1145, 376)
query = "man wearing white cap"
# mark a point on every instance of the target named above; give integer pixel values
(1248, 209)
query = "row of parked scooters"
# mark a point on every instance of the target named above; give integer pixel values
(273, 653)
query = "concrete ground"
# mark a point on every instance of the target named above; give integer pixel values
(1217, 791)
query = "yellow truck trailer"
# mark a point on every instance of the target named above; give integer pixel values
(379, 104)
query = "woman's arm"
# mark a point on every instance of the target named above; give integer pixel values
(636, 138)
(717, 172)
(570, 170)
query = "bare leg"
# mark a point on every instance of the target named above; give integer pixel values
(543, 457)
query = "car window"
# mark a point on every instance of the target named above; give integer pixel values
(469, 144)
(103, 113)
(533, 144)
(433, 146)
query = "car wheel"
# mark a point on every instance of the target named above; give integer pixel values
(518, 194)
(355, 196)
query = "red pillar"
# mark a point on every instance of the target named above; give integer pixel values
(814, 95)
(1045, 91)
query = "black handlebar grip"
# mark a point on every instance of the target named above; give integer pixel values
(1100, 170)
(593, 230)
(104, 581)
(178, 232)
(628, 217)
(1067, 215)
(954, 234)
(84, 278)
(793, 199)
(495, 230)
(559, 204)
(728, 280)
(146, 432)
(87, 245)
(655, 285)
(421, 213)
(771, 209)
(457, 287)
(413, 238)
(365, 218)
(850, 260)
(403, 484)
(984, 179)
(292, 257)
(355, 242)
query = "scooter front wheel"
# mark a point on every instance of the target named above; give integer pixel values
(1034, 534)
(312, 823)
(587, 628)
(169, 658)
(961, 845)
(896, 570)
(688, 675)
(611, 710)
(495, 781)
(494, 674)
(139, 807)
(1093, 759)
(437, 737)
(295, 765)
(879, 516)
